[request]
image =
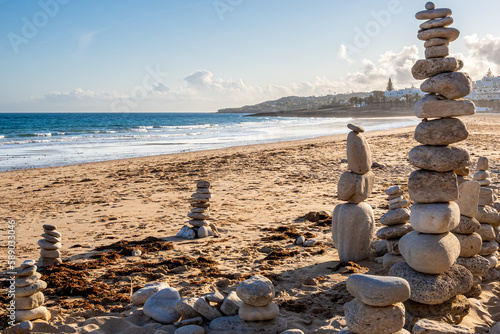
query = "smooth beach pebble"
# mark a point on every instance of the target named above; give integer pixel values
(256, 291)
(355, 128)
(442, 131)
(28, 264)
(431, 106)
(378, 290)
(437, 23)
(395, 217)
(161, 306)
(482, 164)
(425, 186)
(49, 227)
(359, 159)
(439, 158)
(190, 329)
(254, 313)
(142, 295)
(231, 304)
(430, 6)
(453, 85)
(393, 190)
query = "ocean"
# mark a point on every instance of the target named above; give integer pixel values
(34, 140)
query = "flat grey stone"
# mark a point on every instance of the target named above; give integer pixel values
(362, 318)
(396, 217)
(205, 232)
(355, 128)
(431, 106)
(50, 238)
(441, 131)
(433, 14)
(198, 222)
(355, 188)
(477, 265)
(192, 321)
(454, 85)
(190, 329)
(430, 253)
(395, 231)
(436, 42)
(31, 289)
(256, 291)
(215, 297)
(425, 186)
(359, 159)
(467, 225)
(401, 204)
(468, 198)
(439, 158)
(185, 307)
(141, 296)
(27, 280)
(205, 309)
(435, 218)
(393, 190)
(353, 227)
(450, 34)
(470, 244)
(236, 325)
(53, 233)
(198, 215)
(49, 227)
(398, 194)
(439, 51)
(231, 304)
(378, 290)
(437, 23)
(52, 254)
(49, 245)
(434, 289)
(203, 191)
(427, 326)
(162, 306)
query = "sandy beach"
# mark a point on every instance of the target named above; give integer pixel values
(261, 194)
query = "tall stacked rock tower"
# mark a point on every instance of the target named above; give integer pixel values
(50, 255)
(431, 250)
(353, 222)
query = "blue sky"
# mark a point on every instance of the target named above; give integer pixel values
(202, 55)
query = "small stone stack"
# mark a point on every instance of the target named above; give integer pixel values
(257, 294)
(353, 223)
(487, 214)
(396, 222)
(470, 241)
(377, 306)
(50, 254)
(200, 203)
(431, 250)
(29, 297)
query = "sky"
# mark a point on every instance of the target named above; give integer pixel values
(204, 55)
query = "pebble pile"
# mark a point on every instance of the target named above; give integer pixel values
(50, 245)
(353, 223)
(29, 297)
(396, 222)
(487, 215)
(377, 306)
(431, 249)
(201, 226)
(470, 240)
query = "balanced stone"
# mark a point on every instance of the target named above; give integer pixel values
(452, 85)
(49, 227)
(40, 312)
(45, 262)
(198, 210)
(481, 175)
(425, 186)
(431, 106)
(50, 238)
(470, 244)
(488, 214)
(488, 247)
(161, 306)
(440, 51)
(435, 218)
(442, 131)
(476, 264)
(439, 158)
(258, 313)
(398, 194)
(31, 289)
(256, 291)
(436, 42)
(401, 204)
(432, 13)
(468, 198)
(362, 318)
(198, 215)
(393, 190)
(430, 5)
(203, 307)
(487, 232)
(434, 289)
(27, 280)
(49, 245)
(197, 196)
(204, 232)
(51, 254)
(355, 128)
(186, 232)
(396, 200)
(467, 225)
(430, 253)
(485, 183)
(203, 191)
(450, 34)
(30, 302)
(394, 231)
(359, 158)
(198, 222)
(355, 188)
(437, 23)
(486, 196)
(231, 304)
(395, 217)
(53, 233)
(378, 290)
(24, 272)
(202, 184)
(462, 171)
(352, 230)
(482, 164)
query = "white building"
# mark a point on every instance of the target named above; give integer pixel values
(488, 88)
(402, 92)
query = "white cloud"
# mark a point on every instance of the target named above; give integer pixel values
(343, 54)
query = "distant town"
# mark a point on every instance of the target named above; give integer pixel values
(485, 94)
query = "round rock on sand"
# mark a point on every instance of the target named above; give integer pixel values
(378, 290)
(161, 306)
(430, 253)
(359, 158)
(141, 296)
(256, 291)
(434, 289)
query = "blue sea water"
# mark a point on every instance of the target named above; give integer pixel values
(34, 140)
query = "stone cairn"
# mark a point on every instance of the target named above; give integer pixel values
(50, 245)
(353, 223)
(377, 306)
(470, 240)
(200, 203)
(29, 297)
(431, 250)
(487, 214)
(396, 222)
